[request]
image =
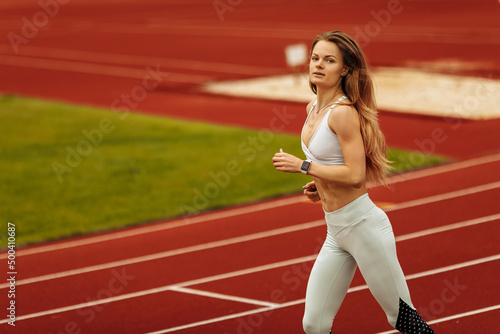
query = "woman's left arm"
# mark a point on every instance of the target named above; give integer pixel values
(344, 121)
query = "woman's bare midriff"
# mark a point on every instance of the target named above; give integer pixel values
(334, 197)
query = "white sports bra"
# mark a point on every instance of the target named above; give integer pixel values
(324, 146)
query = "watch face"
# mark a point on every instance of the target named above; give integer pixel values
(305, 165)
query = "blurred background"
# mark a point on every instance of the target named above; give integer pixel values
(129, 113)
(163, 58)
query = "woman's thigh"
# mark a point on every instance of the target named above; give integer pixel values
(328, 283)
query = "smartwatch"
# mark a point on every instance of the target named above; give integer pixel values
(306, 164)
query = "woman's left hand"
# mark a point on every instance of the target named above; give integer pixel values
(285, 162)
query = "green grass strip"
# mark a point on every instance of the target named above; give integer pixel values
(70, 170)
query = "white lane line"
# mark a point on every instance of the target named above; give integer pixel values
(439, 270)
(445, 168)
(224, 297)
(239, 273)
(132, 232)
(300, 301)
(454, 267)
(248, 271)
(456, 316)
(223, 318)
(88, 68)
(169, 287)
(173, 252)
(125, 59)
(465, 314)
(235, 240)
(442, 197)
(404, 237)
(449, 227)
(180, 288)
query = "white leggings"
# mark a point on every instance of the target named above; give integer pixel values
(358, 234)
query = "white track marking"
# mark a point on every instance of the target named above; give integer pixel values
(132, 232)
(456, 316)
(454, 267)
(237, 273)
(248, 271)
(450, 227)
(442, 197)
(88, 68)
(224, 297)
(173, 252)
(229, 317)
(171, 286)
(167, 288)
(312, 257)
(223, 318)
(300, 301)
(353, 289)
(231, 241)
(445, 168)
(439, 270)
(296, 302)
(124, 59)
(465, 314)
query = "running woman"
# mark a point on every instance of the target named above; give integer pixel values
(344, 147)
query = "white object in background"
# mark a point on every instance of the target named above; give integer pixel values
(296, 54)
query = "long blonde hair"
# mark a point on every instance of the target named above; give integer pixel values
(358, 86)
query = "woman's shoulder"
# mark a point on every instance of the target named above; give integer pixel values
(345, 108)
(343, 116)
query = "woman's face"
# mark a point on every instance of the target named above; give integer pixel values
(326, 65)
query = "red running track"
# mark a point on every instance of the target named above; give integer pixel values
(244, 270)
(251, 276)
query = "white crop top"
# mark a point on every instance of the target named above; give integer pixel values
(324, 146)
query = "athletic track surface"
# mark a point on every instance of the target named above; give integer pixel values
(245, 269)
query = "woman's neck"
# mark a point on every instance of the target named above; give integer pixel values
(328, 96)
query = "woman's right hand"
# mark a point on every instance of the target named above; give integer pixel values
(311, 192)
